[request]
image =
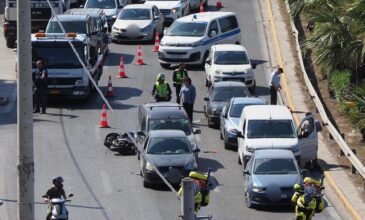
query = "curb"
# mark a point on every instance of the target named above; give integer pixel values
(346, 203)
(4, 101)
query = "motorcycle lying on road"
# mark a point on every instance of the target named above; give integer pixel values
(308, 198)
(58, 208)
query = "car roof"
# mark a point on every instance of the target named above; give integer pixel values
(206, 16)
(248, 100)
(146, 6)
(229, 47)
(228, 84)
(84, 11)
(166, 133)
(267, 112)
(64, 17)
(165, 110)
(273, 153)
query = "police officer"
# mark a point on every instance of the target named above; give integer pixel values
(56, 191)
(40, 80)
(161, 89)
(178, 78)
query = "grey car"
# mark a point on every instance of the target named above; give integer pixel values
(170, 152)
(230, 118)
(270, 176)
(218, 95)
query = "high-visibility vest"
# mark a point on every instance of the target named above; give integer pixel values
(161, 89)
(180, 75)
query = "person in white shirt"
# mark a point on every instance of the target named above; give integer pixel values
(275, 85)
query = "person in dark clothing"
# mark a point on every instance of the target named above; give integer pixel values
(275, 85)
(161, 89)
(40, 80)
(56, 191)
(187, 96)
(178, 77)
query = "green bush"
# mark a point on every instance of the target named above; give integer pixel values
(340, 83)
(354, 105)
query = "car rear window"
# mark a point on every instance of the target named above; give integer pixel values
(170, 124)
(225, 93)
(231, 58)
(168, 145)
(135, 14)
(270, 129)
(274, 166)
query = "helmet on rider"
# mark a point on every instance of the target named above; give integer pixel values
(57, 180)
(161, 76)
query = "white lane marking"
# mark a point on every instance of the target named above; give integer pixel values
(108, 189)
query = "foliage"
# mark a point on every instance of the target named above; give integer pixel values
(354, 105)
(340, 82)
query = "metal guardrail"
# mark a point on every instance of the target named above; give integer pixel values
(357, 166)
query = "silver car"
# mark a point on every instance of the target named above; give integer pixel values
(230, 118)
(138, 22)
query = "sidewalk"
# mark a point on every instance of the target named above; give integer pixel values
(338, 182)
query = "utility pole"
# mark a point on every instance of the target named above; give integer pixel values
(25, 114)
(187, 202)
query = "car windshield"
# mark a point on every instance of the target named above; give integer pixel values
(60, 57)
(170, 124)
(230, 58)
(270, 129)
(188, 29)
(225, 93)
(78, 27)
(168, 145)
(275, 166)
(135, 14)
(103, 4)
(236, 109)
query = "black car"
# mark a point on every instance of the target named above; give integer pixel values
(100, 25)
(218, 95)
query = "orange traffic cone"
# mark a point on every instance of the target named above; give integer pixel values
(201, 8)
(103, 120)
(139, 56)
(157, 42)
(219, 4)
(110, 92)
(121, 69)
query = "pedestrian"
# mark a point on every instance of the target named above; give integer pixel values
(161, 89)
(178, 78)
(275, 85)
(187, 97)
(40, 81)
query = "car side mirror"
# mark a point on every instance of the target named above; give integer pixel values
(71, 195)
(208, 61)
(238, 133)
(318, 126)
(213, 34)
(246, 172)
(196, 150)
(197, 131)
(253, 65)
(140, 133)
(206, 99)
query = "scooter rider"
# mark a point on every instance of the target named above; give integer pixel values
(161, 89)
(55, 191)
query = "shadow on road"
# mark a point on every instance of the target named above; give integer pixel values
(262, 91)
(258, 62)
(113, 59)
(205, 164)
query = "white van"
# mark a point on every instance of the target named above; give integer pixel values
(189, 38)
(272, 126)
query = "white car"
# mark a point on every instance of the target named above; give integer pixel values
(229, 62)
(171, 9)
(137, 22)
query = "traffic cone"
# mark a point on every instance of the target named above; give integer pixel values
(139, 56)
(201, 8)
(157, 42)
(103, 120)
(219, 4)
(121, 69)
(110, 92)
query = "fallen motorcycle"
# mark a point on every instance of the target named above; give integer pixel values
(121, 143)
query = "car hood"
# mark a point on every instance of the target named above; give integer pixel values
(192, 141)
(170, 160)
(217, 105)
(125, 24)
(235, 122)
(111, 12)
(164, 4)
(233, 68)
(267, 181)
(268, 143)
(179, 40)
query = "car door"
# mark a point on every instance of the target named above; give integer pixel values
(158, 20)
(213, 32)
(308, 139)
(141, 154)
(209, 63)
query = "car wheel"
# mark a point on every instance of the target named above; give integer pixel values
(239, 159)
(244, 162)
(153, 36)
(206, 83)
(10, 43)
(204, 58)
(210, 124)
(221, 135)
(226, 146)
(248, 200)
(253, 88)
(165, 65)
(146, 184)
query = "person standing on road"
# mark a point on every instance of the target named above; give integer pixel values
(161, 89)
(187, 97)
(40, 80)
(178, 77)
(275, 85)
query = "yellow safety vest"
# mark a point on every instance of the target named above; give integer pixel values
(161, 89)
(180, 75)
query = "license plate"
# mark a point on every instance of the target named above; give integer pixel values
(54, 92)
(284, 196)
(176, 56)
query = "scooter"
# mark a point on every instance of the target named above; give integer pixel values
(59, 210)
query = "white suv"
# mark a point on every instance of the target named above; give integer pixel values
(229, 62)
(171, 9)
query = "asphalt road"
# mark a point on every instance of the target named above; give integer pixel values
(67, 142)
